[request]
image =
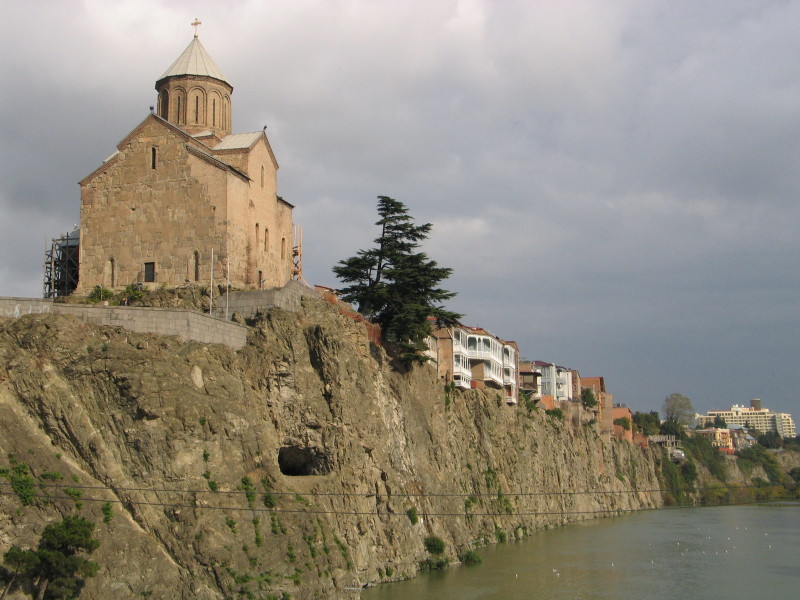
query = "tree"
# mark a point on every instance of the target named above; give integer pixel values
(678, 407)
(396, 285)
(671, 427)
(623, 422)
(18, 563)
(720, 423)
(589, 398)
(55, 570)
(648, 423)
(771, 439)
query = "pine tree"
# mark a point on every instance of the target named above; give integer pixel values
(396, 285)
(56, 569)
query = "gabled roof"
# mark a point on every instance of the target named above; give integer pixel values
(238, 141)
(194, 146)
(195, 60)
(244, 141)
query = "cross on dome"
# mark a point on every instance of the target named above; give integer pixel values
(196, 24)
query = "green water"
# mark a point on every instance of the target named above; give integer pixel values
(720, 553)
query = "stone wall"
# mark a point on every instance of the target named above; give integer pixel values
(248, 303)
(17, 307)
(164, 321)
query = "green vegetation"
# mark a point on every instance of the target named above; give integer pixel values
(689, 472)
(395, 285)
(678, 408)
(291, 556)
(259, 541)
(412, 515)
(623, 422)
(268, 498)
(470, 557)
(528, 402)
(589, 398)
(344, 552)
(701, 449)
(22, 484)
(212, 485)
(673, 483)
(108, 512)
(434, 545)
(433, 564)
(231, 523)
(449, 388)
(556, 413)
(771, 439)
(249, 490)
(57, 569)
(648, 423)
(758, 455)
(99, 293)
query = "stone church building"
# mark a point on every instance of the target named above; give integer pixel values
(181, 184)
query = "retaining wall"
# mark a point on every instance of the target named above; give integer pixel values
(248, 303)
(16, 307)
(164, 321)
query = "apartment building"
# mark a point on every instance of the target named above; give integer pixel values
(754, 417)
(473, 358)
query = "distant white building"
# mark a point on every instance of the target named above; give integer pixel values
(753, 416)
(555, 381)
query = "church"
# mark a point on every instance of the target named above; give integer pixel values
(181, 186)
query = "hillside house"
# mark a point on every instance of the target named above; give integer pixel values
(473, 358)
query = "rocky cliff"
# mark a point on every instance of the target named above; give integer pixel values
(302, 466)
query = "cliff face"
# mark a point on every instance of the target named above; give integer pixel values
(286, 468)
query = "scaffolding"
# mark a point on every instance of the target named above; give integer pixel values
(61, 265)
(297, 253)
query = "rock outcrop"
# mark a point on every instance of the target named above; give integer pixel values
(303, 465)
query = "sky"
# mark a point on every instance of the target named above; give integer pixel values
(614, 183)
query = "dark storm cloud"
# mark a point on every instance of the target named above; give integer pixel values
(613, 183)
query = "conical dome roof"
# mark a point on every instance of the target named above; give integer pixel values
(194, 61)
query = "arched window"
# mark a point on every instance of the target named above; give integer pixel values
(283, 248)
(196, 265)
(214, 112)
(266, 239)
(112, 272)
(262, 176)
(178, 113)
(197, 109)
(153, 157)
(258, 236)
(164, 105)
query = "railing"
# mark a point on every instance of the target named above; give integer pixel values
(465, 381)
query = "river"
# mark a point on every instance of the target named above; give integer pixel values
(717, 553)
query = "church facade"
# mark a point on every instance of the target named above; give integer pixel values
(181, 185)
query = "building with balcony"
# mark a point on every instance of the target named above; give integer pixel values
(530, 380)
(556, 381)
(473, 358)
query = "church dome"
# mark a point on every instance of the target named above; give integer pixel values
(195, 60)
(194, 94)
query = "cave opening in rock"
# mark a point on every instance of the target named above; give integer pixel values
(298, 461)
